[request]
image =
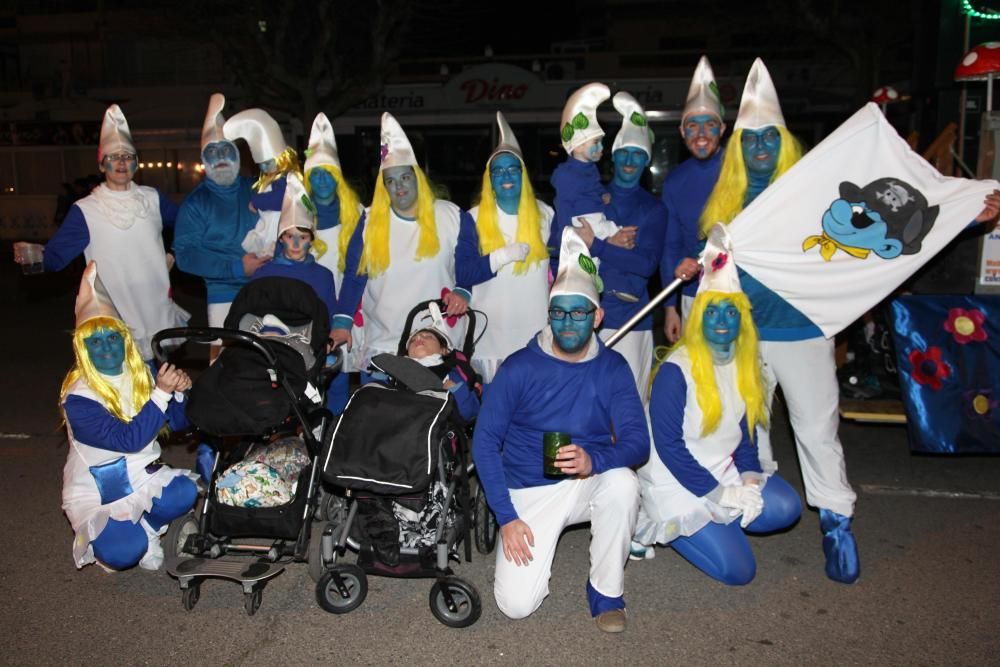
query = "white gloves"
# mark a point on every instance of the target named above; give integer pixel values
(746, 498)
(603, 228)
(512, 252)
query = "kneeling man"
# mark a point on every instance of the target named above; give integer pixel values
(565, 384)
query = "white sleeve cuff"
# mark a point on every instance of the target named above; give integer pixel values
(161, 399)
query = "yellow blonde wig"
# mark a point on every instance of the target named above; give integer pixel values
(529, 229)
(730, 191)
(749, 380)
(375, 254)
(287, 161)
(350, 210)
(142, 380)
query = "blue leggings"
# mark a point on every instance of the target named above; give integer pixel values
(122, 544)
(723, 552)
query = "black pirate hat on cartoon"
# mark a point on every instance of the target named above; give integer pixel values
(902, 207)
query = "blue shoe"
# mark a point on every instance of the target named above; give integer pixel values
(842, 563)
(204, 462)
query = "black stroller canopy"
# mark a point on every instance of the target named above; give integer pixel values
(291, 301)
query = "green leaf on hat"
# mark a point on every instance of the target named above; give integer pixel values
(714, 88)
(567, 132)
(580, 121)
(587, 264)
(599, 284)
(638, 119)
(307, 152)
(308, 204)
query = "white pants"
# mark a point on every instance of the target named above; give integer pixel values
(807, 374)
(637, 348)
(610, 501)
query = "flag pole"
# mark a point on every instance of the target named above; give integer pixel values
(653, 303)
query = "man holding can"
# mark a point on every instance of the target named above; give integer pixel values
(564, 386)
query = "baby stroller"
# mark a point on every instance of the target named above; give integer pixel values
(262, 392)
(399, 455)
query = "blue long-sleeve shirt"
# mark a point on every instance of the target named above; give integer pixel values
(471, 268)
(352, 288)
(270, 200)
(309, 271)
(685, 193)
(73, 237)
(578, 191)
(595, 401)
(211, 225)
(628, 270)
(667, 405)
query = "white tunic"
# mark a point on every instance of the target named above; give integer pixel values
(126, 241)
(667, 509)
(516, 304)
(81, 499)
(390, 296)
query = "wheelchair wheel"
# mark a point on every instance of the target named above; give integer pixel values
(484, 523)
(177, 535)
(342, 589)
(455, 602)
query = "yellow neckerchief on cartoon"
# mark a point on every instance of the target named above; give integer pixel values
(829, 246)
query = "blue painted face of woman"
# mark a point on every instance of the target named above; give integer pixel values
(505, 177)
(324, 186)
(720, 327)
(761, 149)
(106, 349)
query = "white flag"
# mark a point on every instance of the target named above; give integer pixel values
(852, 220)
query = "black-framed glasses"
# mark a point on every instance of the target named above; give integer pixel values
(508, 172)
(559, 314)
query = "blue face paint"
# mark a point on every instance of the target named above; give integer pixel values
(222, 162)
(506, 176)
(324, 186)
(295, 244)
(702, 134)
(401, 184)
(720, 326)
(106, 349)
(761, 149)
(568, 334)
(629, 164)
(268, 167)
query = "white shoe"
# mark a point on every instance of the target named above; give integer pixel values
(153, 558)
(640, 552)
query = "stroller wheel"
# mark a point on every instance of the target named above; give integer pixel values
(342, 589)
(332, 507)
(315, 561)
(190, 595)
(177, 536)
(251, 601)
(484, 523)
(455, 602)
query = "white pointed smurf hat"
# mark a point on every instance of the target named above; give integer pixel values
(297, 210)
(703, 94)
(211, 130)
(719, 273)
(322, 144)
(635, 131)
(579, 117)
(115, 135)
(92, 300)
(577, 274)
(395, 149)
(261, 132)
(759, 106)
(508, 142)
(432, 320)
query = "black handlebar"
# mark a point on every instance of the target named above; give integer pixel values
(206, 336)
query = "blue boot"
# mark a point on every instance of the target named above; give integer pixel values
(841, 550)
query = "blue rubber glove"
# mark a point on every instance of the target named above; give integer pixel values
(841, 550)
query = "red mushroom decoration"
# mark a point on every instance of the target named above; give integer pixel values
(884, 95)
(981, 64)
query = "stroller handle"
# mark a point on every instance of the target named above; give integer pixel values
(205, 336)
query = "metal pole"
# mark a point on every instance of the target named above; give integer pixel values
(653, 303)
(964, 95)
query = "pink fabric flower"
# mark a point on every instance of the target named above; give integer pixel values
(720, 261)
(449, 319)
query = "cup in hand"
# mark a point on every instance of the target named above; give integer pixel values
(29, 256)
(552, 441)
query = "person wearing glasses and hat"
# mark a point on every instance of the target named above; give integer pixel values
(120, 224)
(565, 383)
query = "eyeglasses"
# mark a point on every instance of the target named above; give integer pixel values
(120, 157)
(559, 314)
(508, 172)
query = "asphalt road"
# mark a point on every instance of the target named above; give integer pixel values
(927, 595)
